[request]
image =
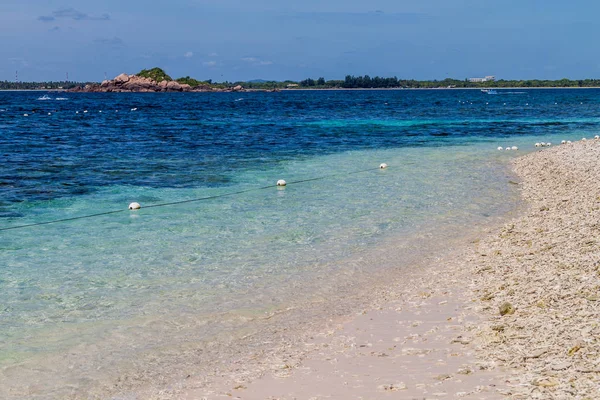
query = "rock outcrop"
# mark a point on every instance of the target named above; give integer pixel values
(134, 83)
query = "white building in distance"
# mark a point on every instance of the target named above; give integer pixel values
(489, 78)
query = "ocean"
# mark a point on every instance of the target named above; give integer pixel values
(219, 261)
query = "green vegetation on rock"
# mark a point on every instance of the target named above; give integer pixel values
(156, 74)
(186, 80)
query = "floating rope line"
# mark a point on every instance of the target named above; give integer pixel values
(173, 203)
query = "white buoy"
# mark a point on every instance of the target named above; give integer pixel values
(383, 166)
(135, 206)
(538, 144)
(568, 142)
(514, 148)
(281, 182)
(76, 112)
(583, 139)
(500, 148)
(49, 113)
(543, 144)
(563, 142)
(100, 111)
(26, 115)
(508, 148)
(84, 111)
(596, 137)
(134, 109)
(548, 144)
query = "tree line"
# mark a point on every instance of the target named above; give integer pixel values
(51, 85)
(349, 82)
(376, 82)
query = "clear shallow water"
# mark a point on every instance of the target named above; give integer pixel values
(108, 292)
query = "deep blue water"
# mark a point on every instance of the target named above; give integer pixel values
(193, 140)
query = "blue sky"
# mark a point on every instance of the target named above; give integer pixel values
(273, 39)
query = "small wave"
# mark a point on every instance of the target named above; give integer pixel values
(240, 99)
(45, 97)
(61, 98)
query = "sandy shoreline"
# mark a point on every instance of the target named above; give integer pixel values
(433, 330)
(442, 335)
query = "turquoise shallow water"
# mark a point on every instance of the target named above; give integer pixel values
(84, 297)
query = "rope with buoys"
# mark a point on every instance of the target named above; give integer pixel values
(172, 203)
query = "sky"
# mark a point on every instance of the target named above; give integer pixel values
(278, 40)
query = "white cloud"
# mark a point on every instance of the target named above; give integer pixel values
(19, 61)
(114, 42)
(73, 14)
(210, 63)
(189, 54)
(256, 61)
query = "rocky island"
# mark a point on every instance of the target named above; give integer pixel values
(154, 80)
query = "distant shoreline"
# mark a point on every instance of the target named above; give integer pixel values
(329, 89)
(33, 90)
(157, 80)
(500, 89)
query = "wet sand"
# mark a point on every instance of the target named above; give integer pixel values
(442, 335)
(418, 345)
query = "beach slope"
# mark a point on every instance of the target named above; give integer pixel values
(545, 267)
(514, 314)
